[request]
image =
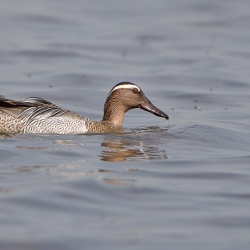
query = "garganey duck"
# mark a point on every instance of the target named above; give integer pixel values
(37, 116)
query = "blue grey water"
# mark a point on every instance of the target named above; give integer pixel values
(185, 185)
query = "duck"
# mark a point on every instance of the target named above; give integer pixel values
(34, 115)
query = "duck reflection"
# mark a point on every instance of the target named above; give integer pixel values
(5, 136)
(127, 149)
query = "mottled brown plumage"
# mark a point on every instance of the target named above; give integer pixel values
(36, 115)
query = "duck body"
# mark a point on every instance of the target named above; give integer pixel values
(34, 115)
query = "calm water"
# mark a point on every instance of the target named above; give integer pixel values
(182, 186)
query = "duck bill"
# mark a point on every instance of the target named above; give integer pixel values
(149, 107)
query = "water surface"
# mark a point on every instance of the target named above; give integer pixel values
(182, 185)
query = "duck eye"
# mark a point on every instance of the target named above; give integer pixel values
(135, 91)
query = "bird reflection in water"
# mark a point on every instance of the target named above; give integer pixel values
(117, 150)
(127, 149)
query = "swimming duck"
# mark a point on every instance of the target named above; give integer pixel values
(35, 115)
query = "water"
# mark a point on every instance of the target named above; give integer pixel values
(156, 186)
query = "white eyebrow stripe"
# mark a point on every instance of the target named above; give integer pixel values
(125, 86)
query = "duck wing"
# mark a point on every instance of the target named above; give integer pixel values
(30, 108)
(37, 100)
(43, 112)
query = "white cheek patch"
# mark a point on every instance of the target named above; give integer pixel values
(125, 86)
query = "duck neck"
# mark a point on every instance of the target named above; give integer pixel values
(114, 113)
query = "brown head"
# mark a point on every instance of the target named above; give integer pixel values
(123, 97)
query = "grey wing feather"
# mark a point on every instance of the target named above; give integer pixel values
(33, 113)
(37, 100)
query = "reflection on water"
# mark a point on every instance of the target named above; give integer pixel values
(117, 150)
(120, 182)
(70, 156)
(4, 136)
(139, 144)
(35, 148)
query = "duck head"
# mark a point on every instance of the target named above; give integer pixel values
(123, 97)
